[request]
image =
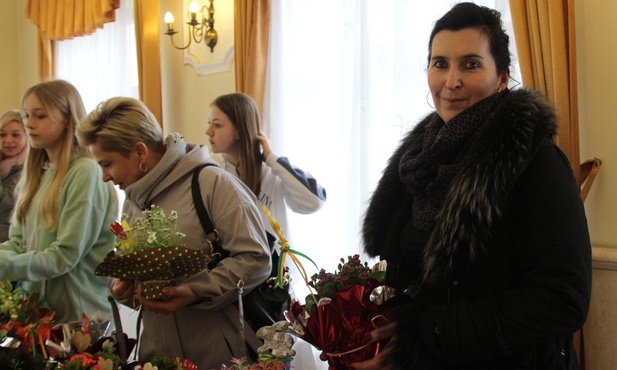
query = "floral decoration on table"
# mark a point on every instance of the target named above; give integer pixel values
(29, 339)
(24, 327)
(151, 252)
(243, 364)
(343, 309)
(275, 353)
(163, 361)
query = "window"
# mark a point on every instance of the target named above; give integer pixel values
(349, 78)
(104, 64)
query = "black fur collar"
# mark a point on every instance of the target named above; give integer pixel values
(503, 147)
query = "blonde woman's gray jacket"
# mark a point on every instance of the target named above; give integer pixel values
(206, 332)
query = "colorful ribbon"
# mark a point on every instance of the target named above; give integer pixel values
(285, 252)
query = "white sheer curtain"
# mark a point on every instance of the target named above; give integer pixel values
(347, 79)
(104, 64)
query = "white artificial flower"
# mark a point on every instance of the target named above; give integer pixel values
(151, 237)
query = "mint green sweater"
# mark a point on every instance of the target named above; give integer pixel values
(60, 264)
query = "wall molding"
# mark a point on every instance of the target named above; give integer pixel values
(604, 258)
(209, 66)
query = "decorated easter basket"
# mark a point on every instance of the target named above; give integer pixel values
(151, 253)
(154, 268)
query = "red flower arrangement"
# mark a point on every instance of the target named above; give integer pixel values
(341, 313)
(343, 309)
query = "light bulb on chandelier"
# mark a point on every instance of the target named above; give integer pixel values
(199, 31)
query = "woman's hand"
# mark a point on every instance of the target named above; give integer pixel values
(376, 363)
(122, 290)
(380, 361)
(265, 144)
(180, 296)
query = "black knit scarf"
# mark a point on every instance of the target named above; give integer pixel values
(429, 164)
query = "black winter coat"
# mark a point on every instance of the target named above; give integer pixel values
(505, 275)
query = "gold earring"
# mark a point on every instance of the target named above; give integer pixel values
(143, 167)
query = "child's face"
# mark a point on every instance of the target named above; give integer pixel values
(46, 128)
(13, 139)
(222, 133)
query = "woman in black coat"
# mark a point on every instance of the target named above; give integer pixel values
(479, 218)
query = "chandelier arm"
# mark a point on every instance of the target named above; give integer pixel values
(198, 33)
(171, 36)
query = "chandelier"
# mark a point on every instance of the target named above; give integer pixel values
(202, 30)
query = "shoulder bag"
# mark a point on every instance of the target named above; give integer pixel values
(267, 303)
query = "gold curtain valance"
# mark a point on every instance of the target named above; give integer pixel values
(65, 19)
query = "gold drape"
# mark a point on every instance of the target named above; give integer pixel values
(546, 43)
(148, 55)
(545, 40)
(251, 28)
(65, 19)
(47, 61)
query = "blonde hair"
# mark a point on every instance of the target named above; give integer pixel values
(62, 102)
(11, 116)
(8, 117)
(117, 124)
(244, 115)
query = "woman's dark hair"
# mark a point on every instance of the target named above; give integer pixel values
(487, 20)
(244, 115)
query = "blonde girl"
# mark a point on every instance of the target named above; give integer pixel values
(59, 232)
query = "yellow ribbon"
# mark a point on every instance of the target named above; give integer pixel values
(286, 251)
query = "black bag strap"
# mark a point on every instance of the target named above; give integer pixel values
(206, 223)
(204, 218)
(121, 339)
(119, 333)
